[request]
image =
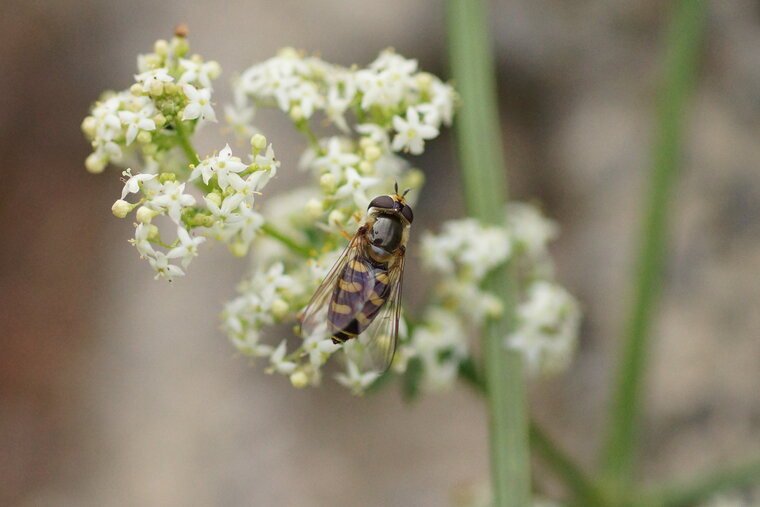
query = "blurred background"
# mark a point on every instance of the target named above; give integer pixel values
(116, 389)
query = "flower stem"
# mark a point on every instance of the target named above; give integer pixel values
(185, 144)
(626, 406)
(555, 458)
(293, 245)
(585, 491)
(484, 178)
(702, 488)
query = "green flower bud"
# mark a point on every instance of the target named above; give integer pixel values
(121, 208)
(280, 309)
(314, 208)
(328, 182)
(161, 48)
(88, 126)
(95, 163)
(144, 137)
(258, 142)
(296, 114)
(156, 88)
(299, 379)
(238, 249)
(144, 214)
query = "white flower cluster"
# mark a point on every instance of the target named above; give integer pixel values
(169, 88)
(150, 125)
(381, 111)
(547, 327)
(463, 255)
(397, 109)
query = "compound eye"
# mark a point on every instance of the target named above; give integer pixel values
(406, 212)
(382, 201)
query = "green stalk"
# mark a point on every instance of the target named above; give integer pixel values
(584, 490)
(556, 459)
(484, 178)
(293, 245)
(185, 144)
(626, 406)
(702, 488)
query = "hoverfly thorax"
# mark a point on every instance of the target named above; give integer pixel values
(387, 226)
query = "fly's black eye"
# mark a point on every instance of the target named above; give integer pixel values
(382, 201)
(406, 212)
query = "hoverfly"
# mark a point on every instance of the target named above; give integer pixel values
(359, 297)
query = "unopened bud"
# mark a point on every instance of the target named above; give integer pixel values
(328, 182)
(314, 208)
(161, 47)
(121, 208)
(296, 114)
(215, 197)
(299, 379)
(280, 309)
(144, 214)
(258, 142)
(238, 249)
(95, 163)
(372, 152)
(144, 137)
(89, 125)
(214, 69)
(336, 217)
(156, 88)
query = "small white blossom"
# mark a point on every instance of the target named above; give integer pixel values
(224, 166)
(200, 72)
(136, 122)
(410, 133)
(530, 229)
(132, 185)
(356, 186)
(160, 263)
(198, 105)
(547, 328)
(147, 78)
(319, 349)
(278, 363)
(441, 344)
(467, 244)
(187, 248)
(171, 199)
(354, 379)
(336, 159)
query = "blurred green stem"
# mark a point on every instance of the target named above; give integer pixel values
(626, 406)
(484, 178)
(558, 461)
(702, 488)
(296, 247)
(185, 144)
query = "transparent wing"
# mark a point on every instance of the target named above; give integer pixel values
(374, 348)
(314, 318)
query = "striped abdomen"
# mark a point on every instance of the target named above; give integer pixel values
(360, 293)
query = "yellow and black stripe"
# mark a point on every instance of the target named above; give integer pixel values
(354, 305)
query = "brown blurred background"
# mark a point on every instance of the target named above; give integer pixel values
(116, 389)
